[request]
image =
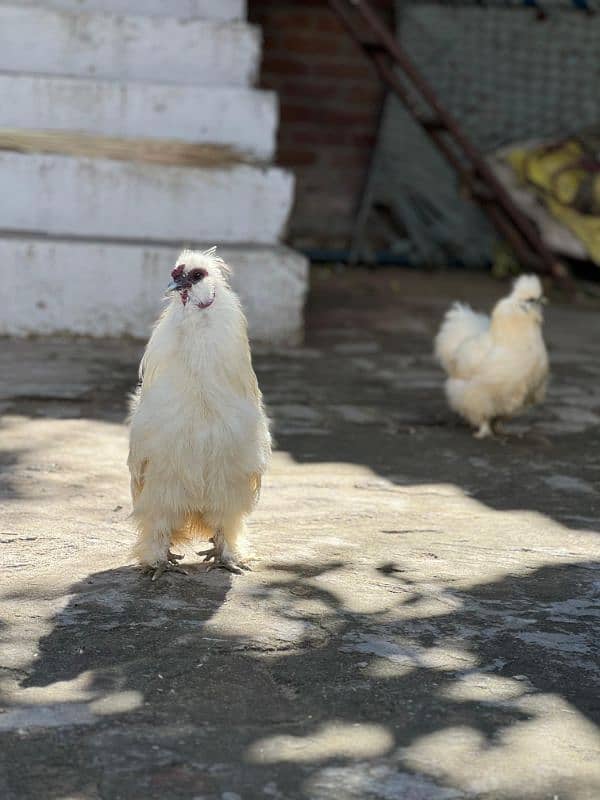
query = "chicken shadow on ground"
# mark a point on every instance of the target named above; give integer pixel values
(403, 701)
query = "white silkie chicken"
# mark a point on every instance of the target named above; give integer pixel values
(497, 366)
(199, 440)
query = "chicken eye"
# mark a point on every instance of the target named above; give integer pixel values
(197, 275)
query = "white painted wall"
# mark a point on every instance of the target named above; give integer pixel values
(122, 200)
(52, 287)
(203, 9)
(161, 50)
(245, 119)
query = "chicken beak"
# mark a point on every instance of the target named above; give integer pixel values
(178, 284)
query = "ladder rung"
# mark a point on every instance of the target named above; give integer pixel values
(432, 123)
(481, 192)
(371, 45)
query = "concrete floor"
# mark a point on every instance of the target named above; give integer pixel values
(421, 621)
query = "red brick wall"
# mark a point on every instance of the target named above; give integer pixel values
(330, 99)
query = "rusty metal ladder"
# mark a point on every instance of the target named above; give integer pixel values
(399, 73)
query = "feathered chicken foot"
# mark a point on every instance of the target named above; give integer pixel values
(494, 429)
(169, 565)
(483, 431)
(498, 428)
(221, 560)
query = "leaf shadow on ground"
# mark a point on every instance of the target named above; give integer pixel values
(332, 712)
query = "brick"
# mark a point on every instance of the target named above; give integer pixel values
(352, 158)
(303, 42)
(275, 64)
(296, 156)
(299, 87)
(366, 140)
(363, 95)
(320, 136)
(328, 21)
(305, 19)
(360, 69)
(325, 115)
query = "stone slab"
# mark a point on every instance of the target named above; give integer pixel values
(167, 50)
(63, 195)
(114, 290)
(244, 119)
(203, 9)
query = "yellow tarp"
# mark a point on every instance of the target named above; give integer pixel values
(558, 178)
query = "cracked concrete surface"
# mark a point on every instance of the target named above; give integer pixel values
(421, 622)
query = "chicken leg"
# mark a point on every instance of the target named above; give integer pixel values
(222, 556)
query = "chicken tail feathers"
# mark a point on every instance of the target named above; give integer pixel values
(460, 323)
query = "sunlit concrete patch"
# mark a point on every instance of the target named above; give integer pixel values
(68, 692)
(479, 686)
(330, 740)
(365, 781)
(526, 759)
(407, 655)
(117, 703)
(264, 628)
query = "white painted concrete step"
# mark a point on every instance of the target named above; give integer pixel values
(64, 195)
(245, 119)
(98, 289)
(161, 50)
(201, 9)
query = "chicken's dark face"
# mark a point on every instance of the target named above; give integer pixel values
(534, 307)
(194, 284)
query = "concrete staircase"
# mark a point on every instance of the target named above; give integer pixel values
(129, 128)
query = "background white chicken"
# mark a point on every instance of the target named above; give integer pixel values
(498, 365)
(199, 440)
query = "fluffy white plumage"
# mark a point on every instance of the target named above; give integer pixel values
(496, 366)
(199, 438)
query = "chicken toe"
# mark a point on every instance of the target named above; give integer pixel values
(236, 567)
(221, 557)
